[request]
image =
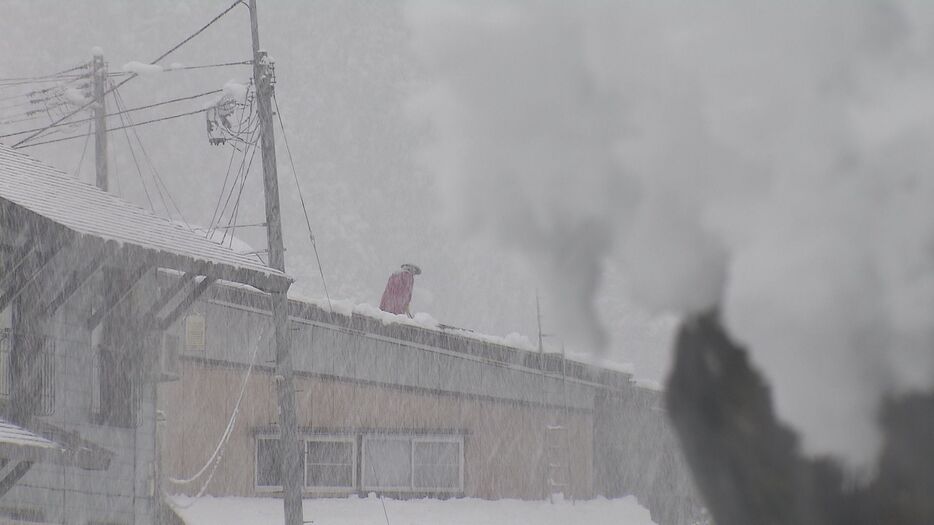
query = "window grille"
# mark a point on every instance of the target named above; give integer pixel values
(330, 462)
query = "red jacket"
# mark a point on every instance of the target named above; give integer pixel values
(398, 293)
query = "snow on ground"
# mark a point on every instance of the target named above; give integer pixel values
(369, 511)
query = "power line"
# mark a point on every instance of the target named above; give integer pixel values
(301, 198)
(18, 120)
(208, 66)
(75, 68)
(236, 210)
(131, 110)
(139, 171)
(41, 78)
(220, 196)
(247, 118)
(8, 83)
(143, 123)
(131, 77)
(242, 175)
(172, 101)
(198, 32)
(18, 95)
(24, 103)
(120, 104)
(171, 69)
(83, 152)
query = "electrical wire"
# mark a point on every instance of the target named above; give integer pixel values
(83, 152)
(209, 66)
(123, 118)
(301, 197)
(139, 171)
(130, 110)
(220, 196)
(75, 68)
(18, 95)
(18, 120)
(114, 174)
(118, 98)
(25, 82)
(236, 210)
(218, 454)
(25, 103)
(143, 123)
(131, 77)
(246, 119)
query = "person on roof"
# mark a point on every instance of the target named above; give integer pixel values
(398, 291)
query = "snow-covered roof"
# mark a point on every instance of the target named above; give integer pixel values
(87, 210)
(11, 434)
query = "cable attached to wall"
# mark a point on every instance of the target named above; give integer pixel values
(231, 423)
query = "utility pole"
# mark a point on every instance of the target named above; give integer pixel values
(290, 471)
(98, 78)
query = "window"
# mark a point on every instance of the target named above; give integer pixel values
(168, 357)
(45, 380)
(390, 462)
(413, 463)
(268, 475)
(387, 462)
(194, 332)
(115, 382)
(436, 463)
(6, 341)
(6, 378)
(31, 373)
(330, 462)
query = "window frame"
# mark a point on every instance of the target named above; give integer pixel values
(413, 439)
(330, 438)
(196, 332)
(6, 363)
(384, 437)
(256, 486)
(457, 439)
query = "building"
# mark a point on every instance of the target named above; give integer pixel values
(136, 356)
(391, 407)
(81, 326)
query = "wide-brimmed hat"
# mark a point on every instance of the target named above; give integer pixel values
(411, 268)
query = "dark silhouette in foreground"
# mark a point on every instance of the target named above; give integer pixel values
(748, 466)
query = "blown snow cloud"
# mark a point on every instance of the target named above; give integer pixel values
(772, 160)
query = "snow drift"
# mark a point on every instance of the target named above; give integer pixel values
(768, 159)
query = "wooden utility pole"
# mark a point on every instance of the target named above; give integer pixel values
(263, 76)
(98, 79)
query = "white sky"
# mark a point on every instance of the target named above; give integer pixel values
(345, 74)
